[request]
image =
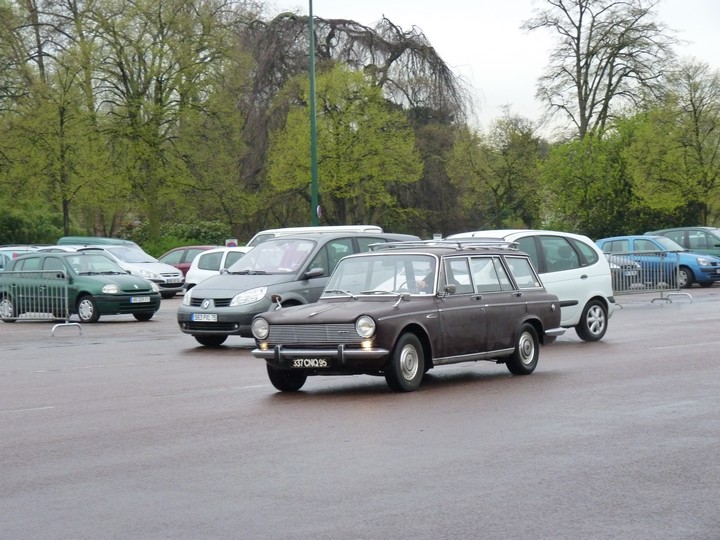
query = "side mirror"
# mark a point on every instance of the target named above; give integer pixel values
(276, 299)
(450, 288)
(315, 272)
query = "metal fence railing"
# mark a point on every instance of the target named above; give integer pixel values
(647, 272)
(38, 295)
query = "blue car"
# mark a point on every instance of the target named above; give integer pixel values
(664, 261)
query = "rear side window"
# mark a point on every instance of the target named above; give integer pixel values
(587, 252)
(29, 264)
(525, 276)
(209, 261)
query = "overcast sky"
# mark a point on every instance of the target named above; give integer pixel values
(482, 42)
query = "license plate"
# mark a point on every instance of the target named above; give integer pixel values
(139, 299)
(174, 280)
(204, 317)
(309, 363)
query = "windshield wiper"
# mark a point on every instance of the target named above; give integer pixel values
(249, 273)
(341, 291)
(378, 291)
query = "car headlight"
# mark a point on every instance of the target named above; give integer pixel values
(702, 261)
(365, 326)
(249, 297)
(187, 297)
(110, 288)
(148, 275)
(154, 286)
(260, 328)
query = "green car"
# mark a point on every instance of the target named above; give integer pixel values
(57, 284)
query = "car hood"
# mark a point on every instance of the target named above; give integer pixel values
(232, 284)
(154, 267)
(126, 282)
(346, 311)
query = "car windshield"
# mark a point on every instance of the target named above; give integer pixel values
(376, 274)
(131, 254)
(85, 264)
(277, 256)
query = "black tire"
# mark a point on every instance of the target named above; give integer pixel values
(406, 367)
(143, 315)
(524, 358)
(594, 321)
(286, 380)
(685, 278)
(87, 309)
(8, 311)
(211, 341)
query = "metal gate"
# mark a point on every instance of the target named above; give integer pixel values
(35, 295)
(646, 272)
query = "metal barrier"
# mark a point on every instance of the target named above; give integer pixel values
(646, 272)
(37, 295)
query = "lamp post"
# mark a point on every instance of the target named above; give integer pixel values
(314, 206)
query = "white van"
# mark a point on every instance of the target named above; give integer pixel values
(571, 267)
(272, 233)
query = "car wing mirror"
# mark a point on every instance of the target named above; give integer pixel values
(315, 272)
(276, 299)
(450, 288)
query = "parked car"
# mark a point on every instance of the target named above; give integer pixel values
(212, 262)
(95, 286)
(571, 267)
(8, 253)
(94, 241)
(182, 257)
(704, 240)
(296, 266)
(134, 260)
(626, 273)
(273, 233)
(664, 262)
(375, 318)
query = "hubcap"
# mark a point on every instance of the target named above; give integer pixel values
(408, 362)
(595, 320)
(526, 346)
(85, 310)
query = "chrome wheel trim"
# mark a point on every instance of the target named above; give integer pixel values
(408, 362)
(526, 348)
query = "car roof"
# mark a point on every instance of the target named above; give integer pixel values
(315, 228)
(505, 233)
(331, 235)
(222, 249)
(451, 246)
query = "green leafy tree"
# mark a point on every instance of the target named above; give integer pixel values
(674, 148)
(586, 188)
(498, 173)
(365, 146)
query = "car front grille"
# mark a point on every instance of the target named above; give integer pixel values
(313, 334)
(216, 302)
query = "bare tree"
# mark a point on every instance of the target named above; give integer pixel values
(608, 53)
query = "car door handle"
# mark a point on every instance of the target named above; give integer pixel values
(584, 276)
(517, 294)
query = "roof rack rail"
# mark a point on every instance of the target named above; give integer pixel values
(458, 243)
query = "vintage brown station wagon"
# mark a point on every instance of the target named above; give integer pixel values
(408, 307)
